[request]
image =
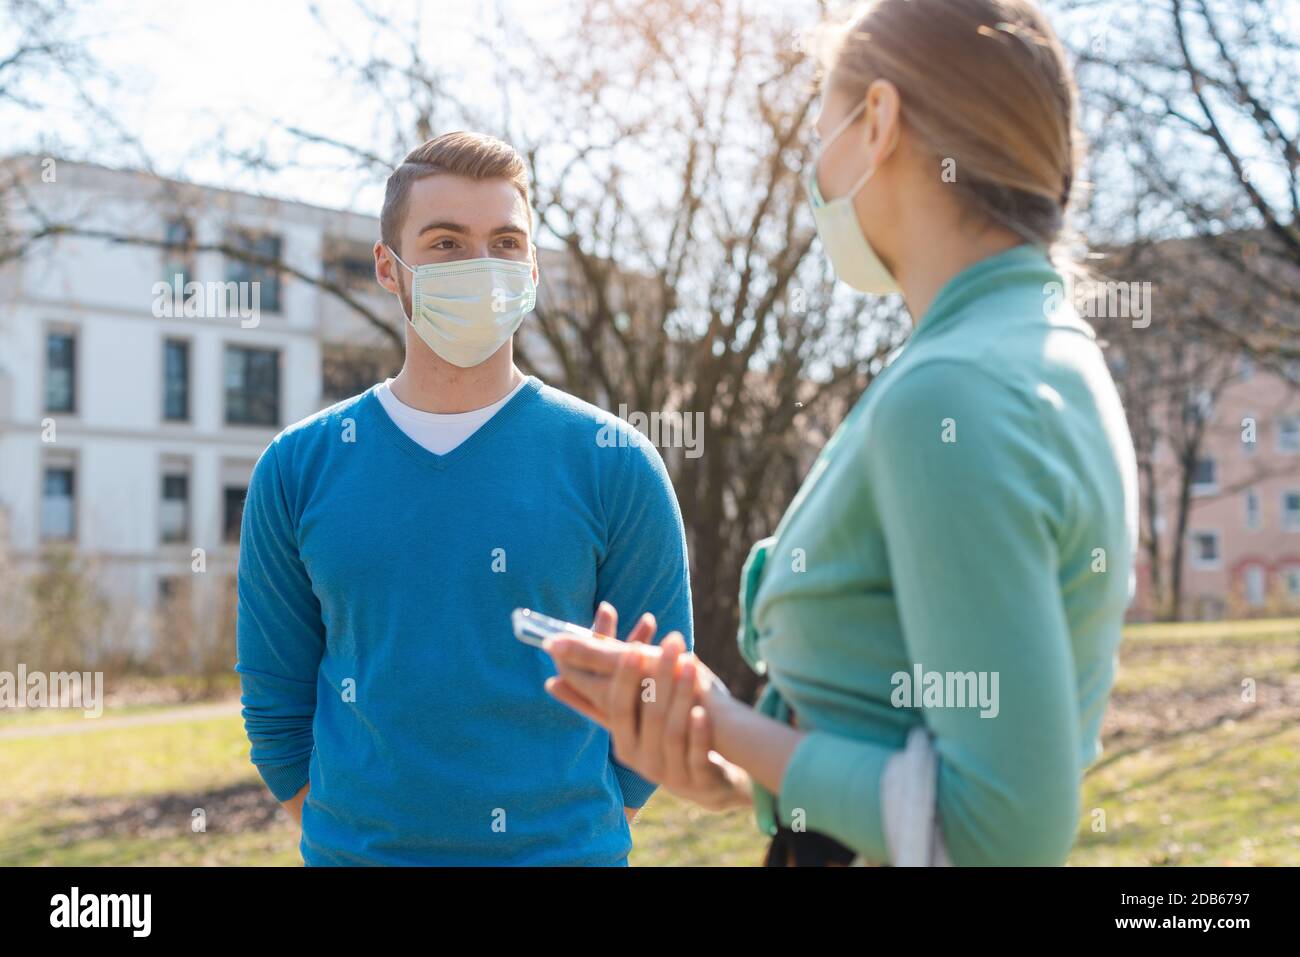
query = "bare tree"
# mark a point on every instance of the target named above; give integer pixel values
(667, 144)
(1192, 113)
(671, 171)
(1174, 376)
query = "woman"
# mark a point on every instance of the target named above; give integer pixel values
(939, 610)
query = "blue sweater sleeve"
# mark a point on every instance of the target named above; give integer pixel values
(279, 634)
(645, 566)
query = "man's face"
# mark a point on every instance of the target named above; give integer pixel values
(449, 218)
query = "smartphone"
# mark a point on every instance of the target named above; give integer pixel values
(532, 627)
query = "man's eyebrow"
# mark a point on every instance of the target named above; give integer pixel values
(448, 226)
(451, 227)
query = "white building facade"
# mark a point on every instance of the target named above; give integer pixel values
(128, 434)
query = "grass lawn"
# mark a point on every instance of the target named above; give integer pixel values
(1191, 773)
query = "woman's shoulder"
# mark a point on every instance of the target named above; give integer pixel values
(1021, 372)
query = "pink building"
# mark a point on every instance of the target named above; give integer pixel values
(1242, 544)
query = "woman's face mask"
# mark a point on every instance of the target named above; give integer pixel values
(851, 256)
(466, 310)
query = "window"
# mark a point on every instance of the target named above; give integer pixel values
(1291, 577)
(168, 587)
(1253, 518)
(178, 252)
(59, 503)
(1205, 477)
(252, 386)
(1255, 582)
(174, 517)
(176, 380)
(233, 513)
(60, 372)
(1200, 406)
(350, 264)
(1210, 608)
(266, 247)
(1288, 434)
(1205, 549)
(175, 610)
(346, 372)
(174, 593)
(1291, 511)
(1245, 369)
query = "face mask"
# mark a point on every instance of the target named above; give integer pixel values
(466, 310)
(851, 256)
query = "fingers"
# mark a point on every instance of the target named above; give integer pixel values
(656, 711)
(700, 767)
(565, 693)
(623, 701)
(596, 655)
(599, 655)
(676, 725)
(644, 630)
(595, 688)
(606, 622)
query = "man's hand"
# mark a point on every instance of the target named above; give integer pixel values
(294, 804)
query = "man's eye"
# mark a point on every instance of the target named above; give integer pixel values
(510, 243)
(445, 244)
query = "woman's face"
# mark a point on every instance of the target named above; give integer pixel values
(841, 161)
(859, 135)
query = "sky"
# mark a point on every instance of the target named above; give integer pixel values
(193, 80)
(190, 76)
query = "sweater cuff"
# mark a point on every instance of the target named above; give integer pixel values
(285, 780)
(835, 783)
(636, 789)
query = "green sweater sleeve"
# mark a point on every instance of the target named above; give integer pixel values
(971, 499)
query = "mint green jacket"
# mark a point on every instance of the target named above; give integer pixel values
(971, 525)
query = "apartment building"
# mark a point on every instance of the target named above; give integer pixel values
(129, 425)
(1242, 544)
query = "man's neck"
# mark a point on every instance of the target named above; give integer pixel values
(431, 384)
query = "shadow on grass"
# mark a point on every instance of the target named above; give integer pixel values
(101, 829)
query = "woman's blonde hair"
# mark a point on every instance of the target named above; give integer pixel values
(984, 86)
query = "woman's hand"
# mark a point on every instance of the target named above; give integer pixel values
(657, 703)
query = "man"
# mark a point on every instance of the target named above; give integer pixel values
(387, 539)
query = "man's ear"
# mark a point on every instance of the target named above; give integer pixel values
(537, 272)
(386, 268)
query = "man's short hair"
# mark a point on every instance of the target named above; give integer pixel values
(473, 155)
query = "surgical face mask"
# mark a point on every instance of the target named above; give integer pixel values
(852, 257)
(466, 310)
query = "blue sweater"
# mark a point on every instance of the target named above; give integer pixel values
(376, 581)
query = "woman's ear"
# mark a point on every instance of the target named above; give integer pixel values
(883, 127)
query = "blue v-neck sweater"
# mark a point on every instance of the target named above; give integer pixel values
(376, 581)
